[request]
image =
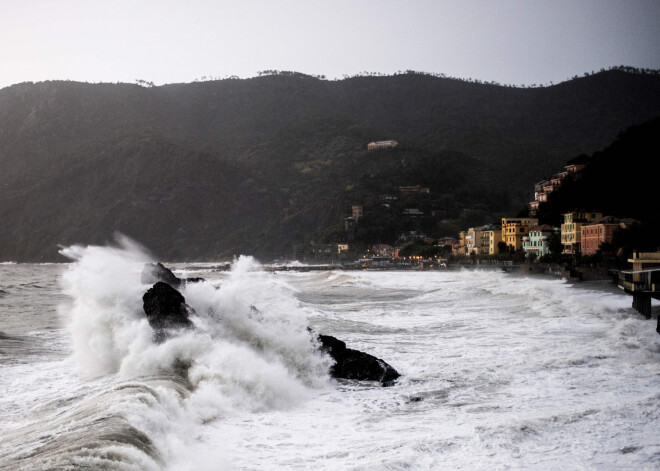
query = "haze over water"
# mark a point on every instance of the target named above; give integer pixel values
(498, 371)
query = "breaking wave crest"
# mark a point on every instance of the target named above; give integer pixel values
(249, 351)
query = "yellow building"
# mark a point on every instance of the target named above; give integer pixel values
(571, 229)
(492, 238)
(514, 229)
(459, 248)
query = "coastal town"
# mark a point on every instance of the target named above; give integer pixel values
(516, 239)
(588, 245)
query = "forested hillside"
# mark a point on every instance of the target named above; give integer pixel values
(211, 169)
(619, 180)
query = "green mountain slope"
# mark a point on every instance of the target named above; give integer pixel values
(207, 170)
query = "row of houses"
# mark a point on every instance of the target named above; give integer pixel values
(345, 252)
(544, 188)
(486, 240)
(582, 232)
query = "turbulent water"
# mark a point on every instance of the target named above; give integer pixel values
(498, 371)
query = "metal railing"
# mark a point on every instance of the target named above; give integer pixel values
(640, 280)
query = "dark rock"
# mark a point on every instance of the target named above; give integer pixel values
(154, 272)
(194, 279)
(353, 364)
(166, 309)
(332, 346)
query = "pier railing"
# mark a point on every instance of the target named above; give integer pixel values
(640, 280)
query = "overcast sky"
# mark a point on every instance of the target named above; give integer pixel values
(519, 42)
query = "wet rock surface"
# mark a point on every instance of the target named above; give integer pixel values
(166, 309)
(154, 272)
(354, 364)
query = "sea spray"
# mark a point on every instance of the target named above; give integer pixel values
(249, 349)
(104, 317)
(501, 372)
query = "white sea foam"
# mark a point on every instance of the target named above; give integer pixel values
(504, 371)
(498, 372)
(249, 350)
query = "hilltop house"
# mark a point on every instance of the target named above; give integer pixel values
(381, 145)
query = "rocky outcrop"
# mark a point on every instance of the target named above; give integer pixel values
(353, 364)
(154, 272)
(166, 309)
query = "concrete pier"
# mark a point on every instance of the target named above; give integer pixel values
(642, 304)
(643, 282)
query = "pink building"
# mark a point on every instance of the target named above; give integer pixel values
(593, 235)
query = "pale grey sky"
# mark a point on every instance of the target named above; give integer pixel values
(165, 41)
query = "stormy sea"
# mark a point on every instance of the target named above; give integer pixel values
(497, 371)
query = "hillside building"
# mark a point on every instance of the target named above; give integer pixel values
(413, 190)
(576, 166)
(544, 188)
(381, 145)
(558, 178)
(358, 212)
